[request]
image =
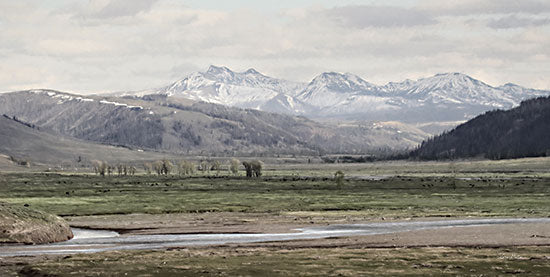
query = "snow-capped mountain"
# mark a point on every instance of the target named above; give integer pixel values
(330, 89)
(443, 97)
(455, 88)
(220, 85)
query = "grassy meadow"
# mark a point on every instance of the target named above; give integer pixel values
(393, 197)
(514, 188)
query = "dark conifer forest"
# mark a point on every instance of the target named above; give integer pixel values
(523, 131)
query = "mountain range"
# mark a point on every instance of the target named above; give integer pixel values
(247, 113)
(443, 97)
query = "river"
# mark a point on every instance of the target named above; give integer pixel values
(93, 241)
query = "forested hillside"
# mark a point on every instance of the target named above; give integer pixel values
(520, 132)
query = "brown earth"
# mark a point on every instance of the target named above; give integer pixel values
(20, 224)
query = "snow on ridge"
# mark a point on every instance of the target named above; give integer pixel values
(120, 104)
(332, 93)
(63, 97)
(84, 99)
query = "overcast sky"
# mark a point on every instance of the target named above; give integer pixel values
(117, 45)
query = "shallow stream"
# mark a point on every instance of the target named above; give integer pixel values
(92, 241)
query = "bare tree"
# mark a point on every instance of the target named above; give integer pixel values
(203, 166)
(253, 168)
(148, 168)
(157, 166)
(96, 165)
(186, 168)
(100, 167)
(216, 165)
(339, 177)
(247, 168)
(234, 166)
(132, 170)
(167, 167)
(104, 168)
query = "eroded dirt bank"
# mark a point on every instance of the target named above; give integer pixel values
(21, 224)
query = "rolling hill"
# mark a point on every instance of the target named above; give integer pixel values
(27, 145)
(178, 125)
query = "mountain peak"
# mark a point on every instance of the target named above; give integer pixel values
(341, 82)
(452, 79)
(218, 69)
(450, 74)
(328, 78)
(252, 71)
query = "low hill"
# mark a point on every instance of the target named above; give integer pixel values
(520, 132)
(21, 224)
(23, 144)
(177, 125)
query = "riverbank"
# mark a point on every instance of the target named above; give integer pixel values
(489, 250)
(22, 224)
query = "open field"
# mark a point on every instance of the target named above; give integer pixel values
(527, 167)
(291, 196)
(392, 197)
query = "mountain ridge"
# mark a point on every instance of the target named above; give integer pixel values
(501, 134)
(179, 125)
(348, 96)
(26, 142)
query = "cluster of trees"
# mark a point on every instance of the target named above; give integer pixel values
(103, 168)
(516, 133)
(187, 168)
(348, 159)
(14, 118)
(20, 161)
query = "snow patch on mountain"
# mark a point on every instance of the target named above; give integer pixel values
(334, 94)
(220, 85)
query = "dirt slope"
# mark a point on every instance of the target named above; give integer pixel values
(20, 224)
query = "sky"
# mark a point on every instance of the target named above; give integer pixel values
(96, 46)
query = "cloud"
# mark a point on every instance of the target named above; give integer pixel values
(121, 8)
(379, 16)
(513, 21)
(103, 45)
(477, 7)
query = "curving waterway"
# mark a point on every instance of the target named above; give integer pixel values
(92, 241)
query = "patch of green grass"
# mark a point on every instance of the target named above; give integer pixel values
(393, 197)
(526, 167)
(242, 261)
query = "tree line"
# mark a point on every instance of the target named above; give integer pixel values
(182, 168)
